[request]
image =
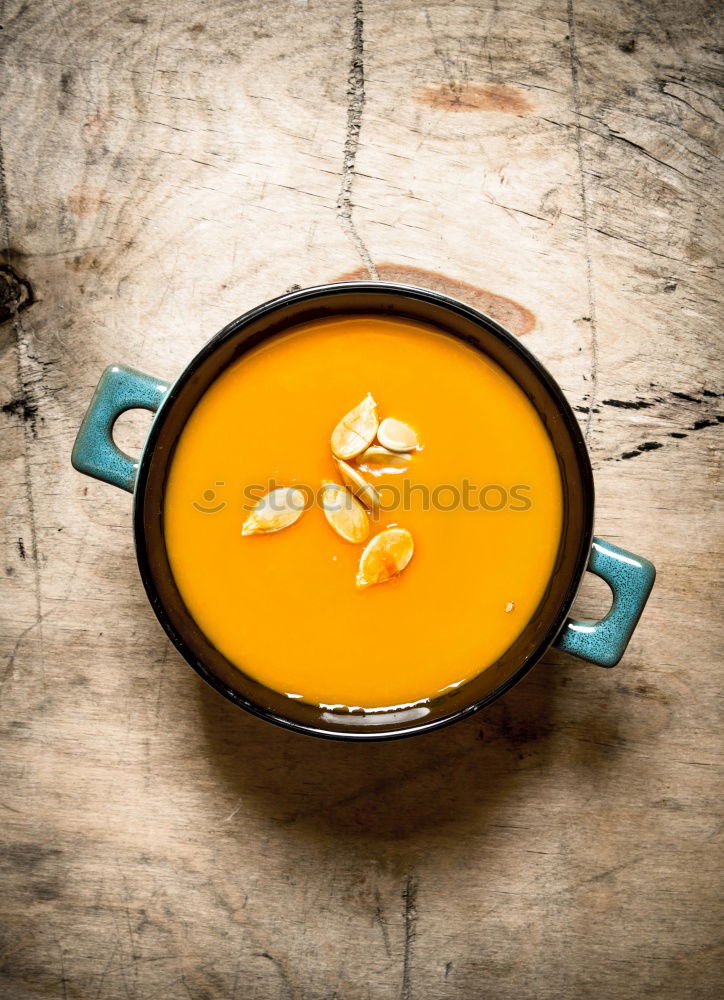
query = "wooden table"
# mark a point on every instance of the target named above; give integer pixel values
(167, 166)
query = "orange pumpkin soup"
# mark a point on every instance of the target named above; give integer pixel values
(478, 495)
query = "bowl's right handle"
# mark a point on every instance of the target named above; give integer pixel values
(94, 451)
(631, 578)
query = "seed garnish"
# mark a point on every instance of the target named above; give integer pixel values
(377, 460)
(278, 509)
(345, 513)
(347, 508)
(385, 556)
(356, 430)
(359, 485)
(397, 436)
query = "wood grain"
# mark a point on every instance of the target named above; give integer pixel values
(164, 167)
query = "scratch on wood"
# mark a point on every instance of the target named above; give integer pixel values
(63, 978)
(105, 971)
(279, 966)
(380, 918)
(10, 665)
(69, 43)
(574, 61)
(642, 149)
(455, 82)
(355, 107)
(409, 896)
(234, 811)
(158, 46)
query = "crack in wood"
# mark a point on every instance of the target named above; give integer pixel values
(669, 404)
(628, 404)
(698, 425)
(355, 107)
(646, 446)
(28, 397)
(409, 897)
(576, 89)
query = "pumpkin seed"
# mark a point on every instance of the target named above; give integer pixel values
(385, 556)
(397, 436)
(378, 460)
(345, 513)
(510, 606)
(356, 430)
(278, 509)
(359, 485)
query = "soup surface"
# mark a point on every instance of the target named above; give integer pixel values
(284, 607)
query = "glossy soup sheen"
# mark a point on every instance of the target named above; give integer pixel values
(284, 607)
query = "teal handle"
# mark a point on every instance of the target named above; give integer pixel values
(94, 452)
(631, 578)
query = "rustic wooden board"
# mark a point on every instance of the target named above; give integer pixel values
(163, 168)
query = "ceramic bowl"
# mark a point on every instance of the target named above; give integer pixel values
(630, 577)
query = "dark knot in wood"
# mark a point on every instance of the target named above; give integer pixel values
(16, 293)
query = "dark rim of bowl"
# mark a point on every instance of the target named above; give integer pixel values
(467, 312)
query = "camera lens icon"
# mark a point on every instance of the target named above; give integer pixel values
(210, 498)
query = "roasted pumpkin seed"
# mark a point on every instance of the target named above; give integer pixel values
(276, 510)
(378, 460)
(359, 485)
(356, 430)
(345, 513)
(396, 435)
(385, 556)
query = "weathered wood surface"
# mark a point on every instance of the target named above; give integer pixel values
(166, 166)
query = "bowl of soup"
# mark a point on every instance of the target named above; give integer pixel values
(363, 511)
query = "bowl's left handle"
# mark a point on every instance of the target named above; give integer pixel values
(94, 452)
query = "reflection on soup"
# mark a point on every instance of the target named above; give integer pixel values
(480, 497)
